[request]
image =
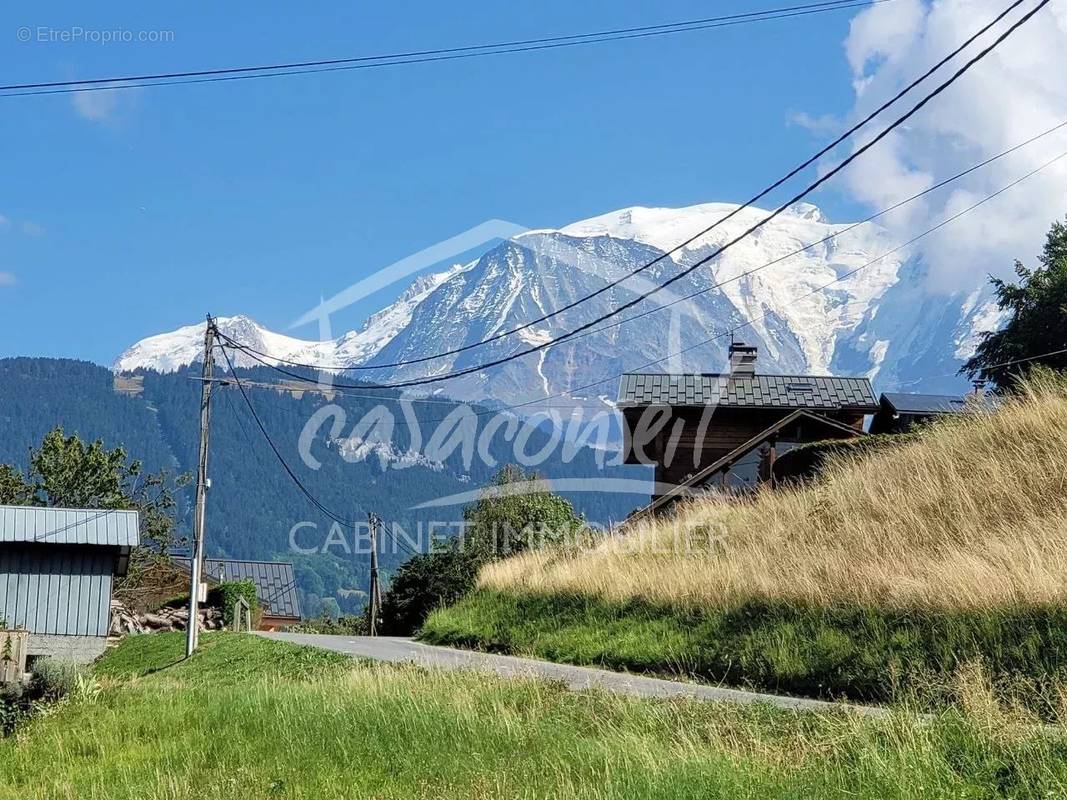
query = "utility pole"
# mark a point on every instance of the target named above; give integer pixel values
(375, 594)
(196, 560)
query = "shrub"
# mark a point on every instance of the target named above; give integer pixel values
(424, 583)
(497, 525)
(226, 593)
(346, 625)
(15, 706)
(53, 678)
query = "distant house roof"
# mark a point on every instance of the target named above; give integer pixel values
(748, 391)
(114, 528)
(900, 403)
(275, 581)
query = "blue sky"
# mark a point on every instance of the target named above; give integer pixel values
(138, 212)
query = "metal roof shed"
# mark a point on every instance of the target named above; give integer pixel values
(899, 412)
(57, 570)
(275, 584)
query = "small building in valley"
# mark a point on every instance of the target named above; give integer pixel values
(275, 582)
(57, 571)
(727, 429)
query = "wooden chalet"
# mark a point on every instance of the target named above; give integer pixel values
(727, 429)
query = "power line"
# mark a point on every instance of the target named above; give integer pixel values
(939, 185)
(848, 274)
(754, 199)
(424, 56)
(723, 334)
(644, 295)
(281, 459)
(390, 527)
(753, 320)
(285, 465)
(1004, 363)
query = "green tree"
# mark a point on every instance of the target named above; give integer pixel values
(1036, 321)
(66, 472)
(14, 490)
(514, 513)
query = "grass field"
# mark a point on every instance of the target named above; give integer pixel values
(864, 654)
(248, 718)
(893, 571)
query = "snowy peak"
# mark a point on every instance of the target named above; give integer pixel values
(169, 352)
(813, 296)
(667, 228)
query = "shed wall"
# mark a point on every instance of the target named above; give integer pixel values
(56, 589)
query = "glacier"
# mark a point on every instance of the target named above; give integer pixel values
(854, 304)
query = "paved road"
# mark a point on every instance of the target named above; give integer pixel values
(398, 650)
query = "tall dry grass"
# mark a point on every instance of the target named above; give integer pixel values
(970, 516)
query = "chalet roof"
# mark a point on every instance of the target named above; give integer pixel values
(274, 580)
(820, 393)
(112, 528)
(900, 403)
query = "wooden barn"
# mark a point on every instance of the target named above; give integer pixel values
(727, 429)
(57, 571)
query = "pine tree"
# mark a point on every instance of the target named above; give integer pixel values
(1036, 322)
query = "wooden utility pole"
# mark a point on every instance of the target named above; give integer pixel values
(196, 559)
(375, 593)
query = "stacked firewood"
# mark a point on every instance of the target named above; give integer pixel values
(125, 622)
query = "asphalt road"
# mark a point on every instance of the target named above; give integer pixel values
(404, 651)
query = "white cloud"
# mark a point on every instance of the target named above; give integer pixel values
(1015, 92)
(7, 279)
(103, 105)
(32, 229)
(822, 125)
(5, 223)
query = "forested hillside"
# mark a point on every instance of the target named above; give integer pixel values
(253, 505)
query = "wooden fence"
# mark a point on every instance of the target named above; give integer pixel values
(12, 655)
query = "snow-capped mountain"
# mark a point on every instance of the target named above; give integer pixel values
(167, 352)
(844, 304)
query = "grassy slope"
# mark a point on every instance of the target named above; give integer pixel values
(247, 718)
(860, 653)
(894, 570)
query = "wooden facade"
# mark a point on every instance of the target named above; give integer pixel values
(700, 428)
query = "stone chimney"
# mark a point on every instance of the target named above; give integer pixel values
(742, 360)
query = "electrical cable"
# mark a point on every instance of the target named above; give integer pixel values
(420, 57)
(644, 295)
(747, 204)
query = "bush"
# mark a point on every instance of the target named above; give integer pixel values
(424, 583)
(53, 678)
(226, 593)
(497, 525)
(347, 625)
(15, 706)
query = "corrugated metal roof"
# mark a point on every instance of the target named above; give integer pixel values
(275, 581)
(116, 528)
(902, 403)
(750, 391)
